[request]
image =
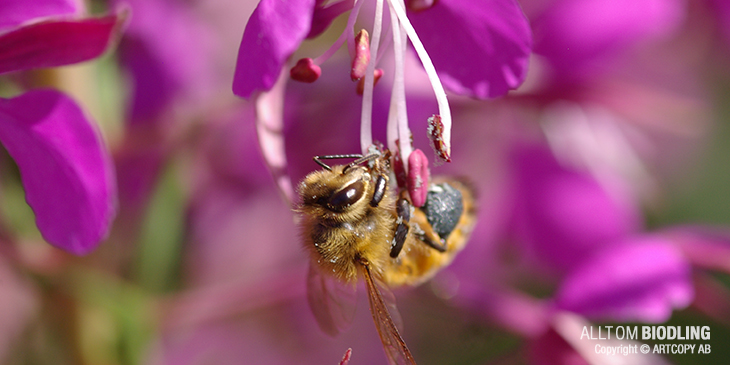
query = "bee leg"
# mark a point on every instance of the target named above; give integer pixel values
(438, 246)
(403, 209)
(381, 185)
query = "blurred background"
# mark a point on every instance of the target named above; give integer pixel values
(602, 184)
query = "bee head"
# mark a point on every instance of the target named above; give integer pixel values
(338, 194)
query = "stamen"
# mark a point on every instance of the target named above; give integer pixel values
(436, 135)
(366, 116)
(351, 25)
(305, 71)
(399, 116)
(401, 177)
(362, 55)
(443, 103)
(392, 127)
(385, 40)
(378, 73)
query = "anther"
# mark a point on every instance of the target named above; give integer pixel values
(377, 74)
(418, 177)
(305, 71)
(436, 135)
(362, 56)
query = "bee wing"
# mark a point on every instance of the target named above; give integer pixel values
(395, 347)
(389, 300)
(332, 302)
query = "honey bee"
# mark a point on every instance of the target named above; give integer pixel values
(355, 224)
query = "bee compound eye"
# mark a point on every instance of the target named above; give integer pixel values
(346, 196)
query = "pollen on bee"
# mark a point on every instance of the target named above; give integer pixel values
(417, 229)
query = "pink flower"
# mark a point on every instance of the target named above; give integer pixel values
(64, 165)
(168, 52)
(576, 36)
(49, 33)
(493, 39)
(590, 235)
(478, 48)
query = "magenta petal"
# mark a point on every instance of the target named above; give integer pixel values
(16, 12)
(479, 48)
(324, 15)
(65, 168)
(55, 43)
(642, 279)
(273, 33)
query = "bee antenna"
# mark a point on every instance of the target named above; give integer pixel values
(360, 160)
(359, 157)
(320, 163)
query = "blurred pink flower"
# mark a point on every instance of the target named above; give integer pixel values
(50, 33)
(278, 332)
(722, 11)
(577, 36)
(592, 237)
(65, 167)
(581, 243)
(17, 12)
(564, 215)
(638, 279)
(168, 51)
